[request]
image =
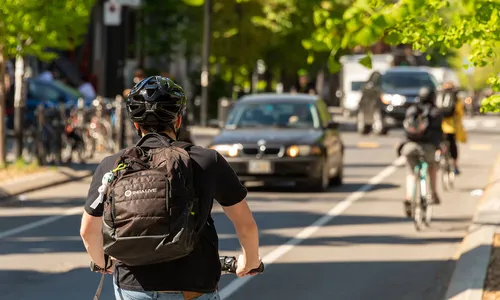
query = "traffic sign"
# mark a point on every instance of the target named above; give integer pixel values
(112, 13)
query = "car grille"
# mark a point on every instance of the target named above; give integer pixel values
(270, 151)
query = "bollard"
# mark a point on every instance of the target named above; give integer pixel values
(81, 112)
(120, 134)
(39, 146)
(98, 105)
(223, 109)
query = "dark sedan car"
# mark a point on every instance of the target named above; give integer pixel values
(387, 95)
(282, 139)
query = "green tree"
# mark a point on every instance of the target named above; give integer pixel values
(438, 24)
(169, 26)
(432, 26)
(33, 28)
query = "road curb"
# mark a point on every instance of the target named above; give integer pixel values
(40, 181)
(468, 278)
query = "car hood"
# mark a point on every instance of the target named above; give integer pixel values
(252, 136)
(405, 92)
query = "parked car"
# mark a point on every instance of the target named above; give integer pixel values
(51, 93)
(283, 139)
(387, 95)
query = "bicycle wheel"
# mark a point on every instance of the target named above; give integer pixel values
(425, 201)
(451, 177)
(416, 202)
(445, 171)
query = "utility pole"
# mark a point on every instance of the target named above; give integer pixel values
(207, 32)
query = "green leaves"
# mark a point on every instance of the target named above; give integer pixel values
(40, 25)
(366, 61)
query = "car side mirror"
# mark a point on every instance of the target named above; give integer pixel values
(332, 125)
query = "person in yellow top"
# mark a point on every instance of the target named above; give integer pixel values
(453, 128)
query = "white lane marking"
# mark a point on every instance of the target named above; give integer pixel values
(45, 221)
(274, 255)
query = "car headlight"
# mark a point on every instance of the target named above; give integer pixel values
(393, 99)
(302, 150)
(227, 150)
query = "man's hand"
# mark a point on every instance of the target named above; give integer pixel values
(244, 266)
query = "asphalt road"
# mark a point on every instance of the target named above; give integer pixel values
(359, 245)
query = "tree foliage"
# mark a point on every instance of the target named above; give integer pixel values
(39, 26)
(439, 24)
(167, 26)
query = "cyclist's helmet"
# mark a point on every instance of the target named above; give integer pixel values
(427, 95)
(156, 102)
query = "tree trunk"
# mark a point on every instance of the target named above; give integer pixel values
(268, 75)
(19, 107)
(2, 106)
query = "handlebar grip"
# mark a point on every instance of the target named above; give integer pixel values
(229, 265)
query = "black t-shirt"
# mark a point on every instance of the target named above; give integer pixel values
(200, 270)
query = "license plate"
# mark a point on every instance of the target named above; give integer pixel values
(259, 167)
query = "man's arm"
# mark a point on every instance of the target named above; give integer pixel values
(91, 233)
(230, 193)
(246, 230)
(91, 225)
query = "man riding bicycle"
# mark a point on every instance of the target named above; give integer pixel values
(423, 132)
(148, 204)
(453, 128)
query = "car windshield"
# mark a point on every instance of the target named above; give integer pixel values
(356, 85)
(67, 89)
(278, 115)
(408, 80)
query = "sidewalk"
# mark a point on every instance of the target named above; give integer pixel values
(470, 278)
(53, 176)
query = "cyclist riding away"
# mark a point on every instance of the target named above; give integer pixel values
(149, 207)
(423, 132)
(452, 124)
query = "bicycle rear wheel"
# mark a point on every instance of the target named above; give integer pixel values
(445, 173)
(425, 201)
(416, 204)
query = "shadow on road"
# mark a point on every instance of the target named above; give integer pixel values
(347, 187)
(77, 284)
(347, 280)
(14, 202)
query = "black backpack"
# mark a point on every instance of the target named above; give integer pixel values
(446, 101)
(416, 124)
(151, 214)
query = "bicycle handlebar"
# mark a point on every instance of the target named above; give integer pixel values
(230, 263)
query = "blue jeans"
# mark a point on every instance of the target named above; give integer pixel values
(121, 294)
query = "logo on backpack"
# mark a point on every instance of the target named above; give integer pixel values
(151, 214)
(129, 193)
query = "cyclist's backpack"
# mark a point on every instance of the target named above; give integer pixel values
(151, 214)
(415, 125)
(446, 101)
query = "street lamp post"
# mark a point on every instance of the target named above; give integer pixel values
(205, 62)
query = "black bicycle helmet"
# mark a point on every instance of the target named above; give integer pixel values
(427, 95)
(156, 102)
